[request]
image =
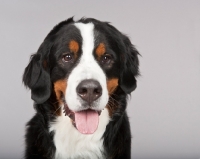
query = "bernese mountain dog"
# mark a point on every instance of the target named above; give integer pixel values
(79, 79)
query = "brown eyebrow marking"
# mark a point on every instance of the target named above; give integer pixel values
(74, 46)
(100, 50)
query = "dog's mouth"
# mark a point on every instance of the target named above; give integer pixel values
(85, 121)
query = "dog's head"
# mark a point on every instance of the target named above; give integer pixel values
(82, 63)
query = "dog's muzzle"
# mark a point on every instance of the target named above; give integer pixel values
(86, 121)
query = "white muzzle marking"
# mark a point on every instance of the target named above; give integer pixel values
(87, 68)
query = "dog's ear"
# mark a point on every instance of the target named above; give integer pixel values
(37, 78)
(129, 69)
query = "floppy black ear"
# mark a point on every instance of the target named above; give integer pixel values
(129, 69)
(37, 79)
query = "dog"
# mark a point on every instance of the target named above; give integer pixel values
(80, 79)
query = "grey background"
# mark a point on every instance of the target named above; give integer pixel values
(165, 108)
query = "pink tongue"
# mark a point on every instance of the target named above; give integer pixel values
(87, 121)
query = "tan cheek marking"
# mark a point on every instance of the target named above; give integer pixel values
(59, 88)
(112, 104)
(112, 85)
(74, 47)
(100, 50)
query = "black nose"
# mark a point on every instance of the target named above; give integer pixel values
(89, 90)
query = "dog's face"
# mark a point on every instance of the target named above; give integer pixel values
(83, 64)
(86, 83)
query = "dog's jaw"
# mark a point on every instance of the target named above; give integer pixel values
(78, 145)
(86, 121)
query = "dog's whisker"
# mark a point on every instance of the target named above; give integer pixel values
(56, 110)
(110, 106)
(114, 100)
(55, 102)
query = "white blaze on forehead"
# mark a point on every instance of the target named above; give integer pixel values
(87, 68)
(87, 34)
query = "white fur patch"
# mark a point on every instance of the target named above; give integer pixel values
(71, 144)
(87, 68)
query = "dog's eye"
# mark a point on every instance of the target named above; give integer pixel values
(67, 57)
(105, 59)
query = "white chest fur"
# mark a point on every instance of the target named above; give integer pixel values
(71, 144)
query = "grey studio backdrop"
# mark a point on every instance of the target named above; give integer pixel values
(164, 110)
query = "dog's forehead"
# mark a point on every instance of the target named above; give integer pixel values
(81, 34)
(75, 32)
(90, 31)
(68, 33)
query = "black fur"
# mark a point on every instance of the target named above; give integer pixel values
(44, 69)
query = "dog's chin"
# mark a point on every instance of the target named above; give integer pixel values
(86, 121)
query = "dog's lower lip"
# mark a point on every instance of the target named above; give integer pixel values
(70, 113)
(75, 118)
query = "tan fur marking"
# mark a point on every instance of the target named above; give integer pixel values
(112, 85)
(112, 104)
(60, 87)
(100, 50)
(74, 46)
